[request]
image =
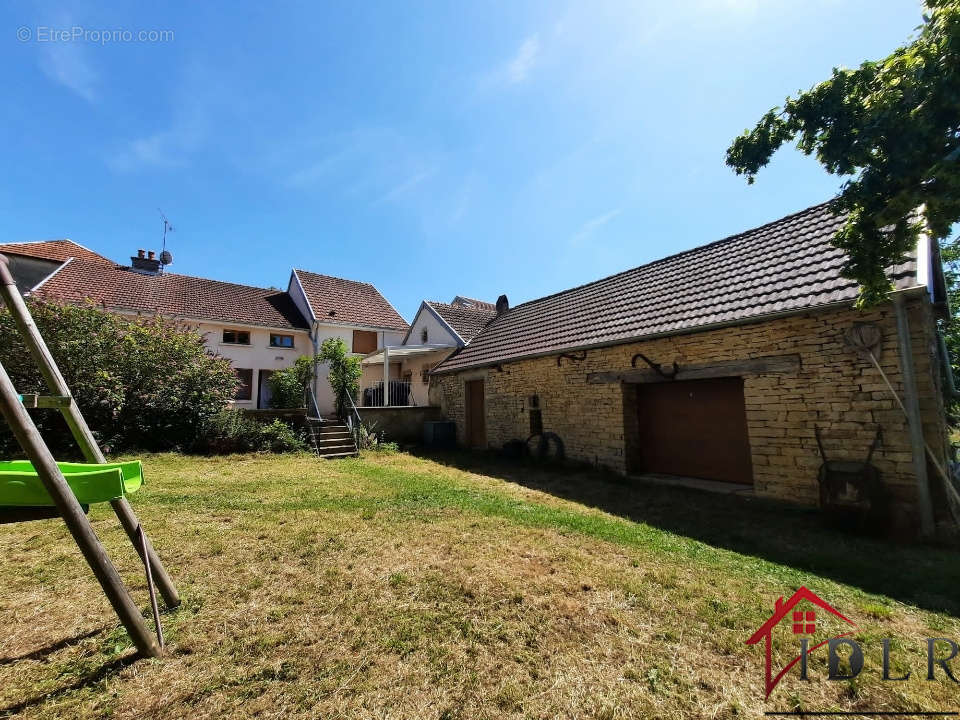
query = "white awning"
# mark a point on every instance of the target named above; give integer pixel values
(402, 351)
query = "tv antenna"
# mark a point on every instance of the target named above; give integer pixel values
(165, 257)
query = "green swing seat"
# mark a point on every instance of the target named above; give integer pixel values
(20, 487)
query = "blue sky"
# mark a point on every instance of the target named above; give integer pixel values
(432, 149)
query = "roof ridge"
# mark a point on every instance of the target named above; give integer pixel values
(462, 307)
(118, 266)
(336, 277)
(666, 258)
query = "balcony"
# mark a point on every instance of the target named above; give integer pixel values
(400, 394)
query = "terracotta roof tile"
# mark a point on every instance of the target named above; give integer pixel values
(59, 250)
(467, 321)
(120, 288)
(349, 302)
(462, 301)
(783, 266)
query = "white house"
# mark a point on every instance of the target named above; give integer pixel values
(437, 331)
(260, 330)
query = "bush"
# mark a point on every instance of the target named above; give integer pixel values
(345, 371)
(288, 387)
(144, 384)
(230, 431)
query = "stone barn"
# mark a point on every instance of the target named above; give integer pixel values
(723, 364)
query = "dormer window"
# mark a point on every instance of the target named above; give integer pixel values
(236, 337)
(424, 336)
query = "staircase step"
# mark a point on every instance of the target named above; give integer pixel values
(332, 456)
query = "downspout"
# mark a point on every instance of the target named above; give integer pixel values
(912, 406)
(314, 333)
(952, 391)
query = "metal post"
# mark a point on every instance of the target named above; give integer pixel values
(78, 426)
(32, 443)
(386, 373)
(914, 422)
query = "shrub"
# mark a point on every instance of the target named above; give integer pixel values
(289, 386)
(230, 431)
(345, 371)
(148, 383)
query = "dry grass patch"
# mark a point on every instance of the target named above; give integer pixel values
(393, 586)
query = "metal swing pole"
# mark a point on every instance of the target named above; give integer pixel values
(78, 426)
(33, 445)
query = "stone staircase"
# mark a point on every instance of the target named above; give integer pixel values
(331, 439)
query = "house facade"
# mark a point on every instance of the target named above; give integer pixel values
(721, 363)
(437, 330)
(259, 330)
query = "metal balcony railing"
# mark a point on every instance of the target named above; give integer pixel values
(400, 393)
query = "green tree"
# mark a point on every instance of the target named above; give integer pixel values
(345, 371)
(149, 384)
(893, 127)
(288, 387)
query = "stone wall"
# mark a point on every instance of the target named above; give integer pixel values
(834, 389)
(400, 424)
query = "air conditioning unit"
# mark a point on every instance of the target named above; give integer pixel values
(439, 433)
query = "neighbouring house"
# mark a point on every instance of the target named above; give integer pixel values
(437, 330)
(31, 262)
(356, 312)
(720, 363)
(260, 330)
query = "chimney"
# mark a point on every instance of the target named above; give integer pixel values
(502, 305)
(148, 265)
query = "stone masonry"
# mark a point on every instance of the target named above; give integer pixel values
(835, 390)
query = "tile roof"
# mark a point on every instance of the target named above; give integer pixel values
(120, 288)
(59, 250)
(786, 265)
(467, 321)
(472, 302)
(347, 302)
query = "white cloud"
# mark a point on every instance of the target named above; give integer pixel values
(406, 185)
(590, 227)
(68, 65)
(194, 107)
(519, 67)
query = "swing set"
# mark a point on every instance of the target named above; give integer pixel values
(40, 487)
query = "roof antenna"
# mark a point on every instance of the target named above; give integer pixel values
(166, 258)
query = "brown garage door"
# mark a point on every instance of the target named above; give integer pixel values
(695, 428)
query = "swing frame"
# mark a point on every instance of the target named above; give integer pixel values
(66, 505)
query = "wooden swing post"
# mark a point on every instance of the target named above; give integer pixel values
(37, 452)
(78, 427)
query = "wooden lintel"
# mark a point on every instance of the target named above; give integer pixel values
(702, 371)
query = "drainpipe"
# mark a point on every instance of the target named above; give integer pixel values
(314, 332)
(952, 391)
(912, 404)
(386, 372)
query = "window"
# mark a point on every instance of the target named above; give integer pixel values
(799, 628)
(236, 337)
(423, 336)
(281, 341)
(364, 341)
(245, 389)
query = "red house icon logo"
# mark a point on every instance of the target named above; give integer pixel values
(802, 622)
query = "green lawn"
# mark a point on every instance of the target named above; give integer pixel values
(394, 586)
